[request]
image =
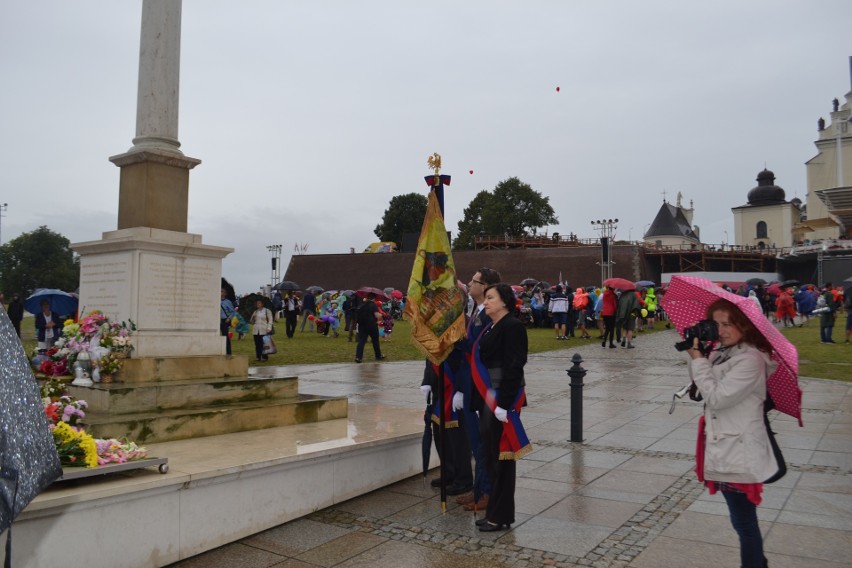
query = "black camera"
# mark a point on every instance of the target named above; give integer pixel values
(705, 331)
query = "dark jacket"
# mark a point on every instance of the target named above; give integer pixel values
(41, 325)
(366, 315)
(626, 304)
(15, 310)
(504, 346)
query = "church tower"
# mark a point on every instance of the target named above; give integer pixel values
(767, 220)
(829, 202)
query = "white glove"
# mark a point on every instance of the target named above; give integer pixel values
(458, 401)
(501, 414)
(426, 390)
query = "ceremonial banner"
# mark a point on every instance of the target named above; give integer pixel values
(445, 410)
(435, 305)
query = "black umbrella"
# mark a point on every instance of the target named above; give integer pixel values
(247, 304)
(756, 282)
(286, 285)
(543, 285)
(427, 437)
(529, 282)
(28, 458)
(229, 290)
(789, 283)
(315, 289)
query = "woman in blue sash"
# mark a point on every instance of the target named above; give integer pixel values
(499, 356)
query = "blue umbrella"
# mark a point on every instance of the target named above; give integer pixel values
(61, 303)
(645, 283)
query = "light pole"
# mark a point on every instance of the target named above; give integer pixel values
(607, 228)
(275, 250)
(3, 214)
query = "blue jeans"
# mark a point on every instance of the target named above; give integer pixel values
(744, 519)
(825, 333)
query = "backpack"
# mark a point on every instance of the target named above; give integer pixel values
(821, 301)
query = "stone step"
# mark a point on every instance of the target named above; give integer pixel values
(178, 424)
(145, 369)
(128, 398)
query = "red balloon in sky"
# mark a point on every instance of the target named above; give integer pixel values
(557, 89)
(471, 172)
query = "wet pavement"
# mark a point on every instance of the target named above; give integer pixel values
(625, 496)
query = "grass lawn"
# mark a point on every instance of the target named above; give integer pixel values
(815, 359)
(307, 347)
(824, 361)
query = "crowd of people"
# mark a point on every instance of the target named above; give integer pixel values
(795, 306)
(608, 314)
(614, 314)
(363, 315)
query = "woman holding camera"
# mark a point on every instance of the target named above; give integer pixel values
(735, 454)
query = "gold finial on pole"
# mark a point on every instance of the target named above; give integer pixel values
(434, 162)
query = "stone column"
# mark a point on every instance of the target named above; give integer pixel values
(151, 270)
(158, 94)
(154, 185)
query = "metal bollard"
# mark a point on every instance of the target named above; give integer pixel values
(576, 373)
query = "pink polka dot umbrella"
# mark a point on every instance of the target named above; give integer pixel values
(686, 302)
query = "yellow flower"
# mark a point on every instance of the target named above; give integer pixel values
(91, 449)
(64, 432)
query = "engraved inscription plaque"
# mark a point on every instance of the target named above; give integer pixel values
(105, 284)
(177, 293)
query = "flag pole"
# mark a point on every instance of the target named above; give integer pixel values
(442, 435)
(434, 162)
(435, 307)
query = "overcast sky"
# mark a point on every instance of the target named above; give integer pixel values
(309, 116)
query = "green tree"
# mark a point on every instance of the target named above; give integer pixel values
(404, 215)
(514, 208)
(473, 223)
(39, 259)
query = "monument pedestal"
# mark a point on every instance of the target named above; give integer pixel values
(167, 282)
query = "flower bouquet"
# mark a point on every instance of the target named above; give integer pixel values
(75, 447)
(52, 390)
(67, 410)
(95, 334)
(109, 365)
(119, 451)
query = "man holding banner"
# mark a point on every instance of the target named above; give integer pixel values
(435, 304)
(462, 400)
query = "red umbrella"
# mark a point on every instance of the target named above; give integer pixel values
(620, 283)
(774, 289)
(686, 302)
(396, 295)
(367, 290)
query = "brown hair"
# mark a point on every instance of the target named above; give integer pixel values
(751, 334)
(489, 276)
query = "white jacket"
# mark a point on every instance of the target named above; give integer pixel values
(733, 384)
(262, 320)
